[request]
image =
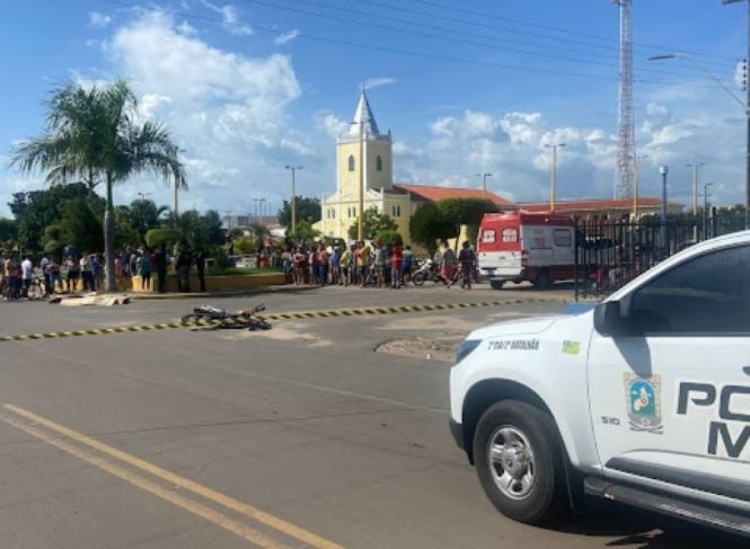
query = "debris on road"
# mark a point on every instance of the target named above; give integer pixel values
(442, 348)
(75, 300)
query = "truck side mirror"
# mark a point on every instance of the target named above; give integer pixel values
(609, 322)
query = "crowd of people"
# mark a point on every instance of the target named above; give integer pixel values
(377, 264)
(360, 264)
(85, 272)
(19, 274)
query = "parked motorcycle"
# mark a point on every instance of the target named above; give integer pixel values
(426, 270)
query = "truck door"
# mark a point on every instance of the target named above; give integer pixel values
(672, 405)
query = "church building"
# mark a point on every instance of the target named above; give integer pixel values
(364, 146)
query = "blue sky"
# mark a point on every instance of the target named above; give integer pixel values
(251, 85)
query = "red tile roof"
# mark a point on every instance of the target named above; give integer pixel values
(431, 193)
(593, 205)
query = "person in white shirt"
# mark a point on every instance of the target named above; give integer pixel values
(26, 271)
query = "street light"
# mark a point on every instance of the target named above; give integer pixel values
(484, 177)
(636, 182)
(294, 195)
(262, 207)
(745, 104)
(553, 175)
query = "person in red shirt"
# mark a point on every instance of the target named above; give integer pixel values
(397, 264)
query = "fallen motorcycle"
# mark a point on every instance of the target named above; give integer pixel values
(213, 318)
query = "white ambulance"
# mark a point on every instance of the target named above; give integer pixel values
(643, 400)
(523, 246)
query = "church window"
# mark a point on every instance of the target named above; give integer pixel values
(379, 163)
(351, 163)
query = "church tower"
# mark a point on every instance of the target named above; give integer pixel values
(374, 153)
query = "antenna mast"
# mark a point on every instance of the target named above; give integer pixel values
(626, 123)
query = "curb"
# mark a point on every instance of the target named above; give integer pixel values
(232, 293)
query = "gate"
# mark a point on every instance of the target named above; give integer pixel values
(611, 253)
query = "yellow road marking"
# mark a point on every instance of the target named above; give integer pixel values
(241, 530)
(230, 503)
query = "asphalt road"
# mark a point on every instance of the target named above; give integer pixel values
(301, 436)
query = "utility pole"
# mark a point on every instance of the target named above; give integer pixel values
(747, 116)
(553, 175)
(361, 218)
(484, 177)
(294, 196)
(664, 170)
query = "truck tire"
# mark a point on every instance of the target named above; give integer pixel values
(496, 284)
(519, 462)
(542, 281)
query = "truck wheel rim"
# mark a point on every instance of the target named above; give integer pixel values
(511, 462)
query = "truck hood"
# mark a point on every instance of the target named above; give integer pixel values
(527, 326)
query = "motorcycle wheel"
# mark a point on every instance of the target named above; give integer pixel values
(418, 279)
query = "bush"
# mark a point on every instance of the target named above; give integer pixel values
(221, 258)
(156, 238)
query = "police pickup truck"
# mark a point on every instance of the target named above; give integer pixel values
(645, 399)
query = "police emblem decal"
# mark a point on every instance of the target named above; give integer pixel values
(643, 398)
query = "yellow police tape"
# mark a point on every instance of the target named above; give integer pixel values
(302, 315)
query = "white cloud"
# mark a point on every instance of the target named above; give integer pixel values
(331, 124)
(372, 83)
(97, 19)
(227, 111)
(680, 125)
(231, 18)
(285, 38)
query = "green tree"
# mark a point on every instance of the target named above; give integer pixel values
(95, 134)
(373, 223)
(259, 234)
(307, 208)
(465, 211)
(428, 226)
(34, 211)
(304, 231)
(201, 231)
(81, 227)
(245, 246)
(8, 231)
(390, 237)
(140, 216)
(156, 238)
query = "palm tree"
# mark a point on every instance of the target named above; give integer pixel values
(95, 134)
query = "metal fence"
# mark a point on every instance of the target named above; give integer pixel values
(611, 253)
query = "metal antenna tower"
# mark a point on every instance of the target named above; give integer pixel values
(626, 123)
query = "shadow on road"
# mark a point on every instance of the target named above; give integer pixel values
(635, 529)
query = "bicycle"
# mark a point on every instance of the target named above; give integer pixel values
(212, 318)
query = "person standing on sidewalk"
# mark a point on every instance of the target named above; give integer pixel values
(200, 266)
(44, 265)
(466, 259)
(161, 268)
(27, 269)
(183, 263)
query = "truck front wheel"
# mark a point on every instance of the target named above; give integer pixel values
(519, 462)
